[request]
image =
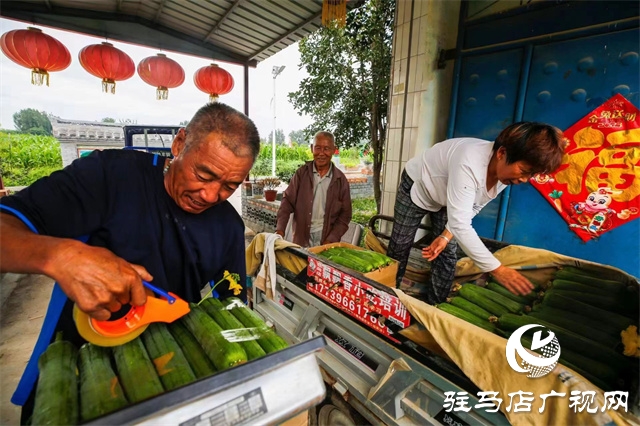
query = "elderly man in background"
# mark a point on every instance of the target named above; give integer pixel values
(319, 198)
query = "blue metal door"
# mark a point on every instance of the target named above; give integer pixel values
(557, 82)
(567, 81)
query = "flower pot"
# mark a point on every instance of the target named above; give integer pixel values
(270, 194)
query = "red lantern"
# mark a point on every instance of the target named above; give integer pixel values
(33, 49)
(162, 72)
(213, 80)
(108, 63)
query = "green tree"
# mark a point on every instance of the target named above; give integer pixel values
(279, 137)
(299, 137)
(349, 71)
(32, 121)
(108, 120)
(184, 123)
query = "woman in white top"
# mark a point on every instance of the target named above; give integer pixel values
(451, 182)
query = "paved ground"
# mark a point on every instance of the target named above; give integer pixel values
(21, 316)
(23, 304)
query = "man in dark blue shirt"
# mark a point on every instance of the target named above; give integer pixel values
(143, 217)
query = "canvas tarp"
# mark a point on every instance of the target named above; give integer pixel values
(481, 354)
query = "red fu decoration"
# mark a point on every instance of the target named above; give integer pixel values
(108, 63)
(162, 72)
(33, 49)
(213, 80)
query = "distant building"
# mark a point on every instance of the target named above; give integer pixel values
(78, 137)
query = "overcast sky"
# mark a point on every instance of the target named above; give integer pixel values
(75, 94)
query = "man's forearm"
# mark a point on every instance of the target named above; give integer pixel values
(22, 251)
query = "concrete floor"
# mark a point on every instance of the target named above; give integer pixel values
(23, 304)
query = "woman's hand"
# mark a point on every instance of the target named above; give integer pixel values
(512, 280)
(434, 249)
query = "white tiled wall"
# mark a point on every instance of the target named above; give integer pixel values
(419, 107)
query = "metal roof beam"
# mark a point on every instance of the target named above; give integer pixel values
(287, 34)
(162, 3)
(132, 29)
(226, 15)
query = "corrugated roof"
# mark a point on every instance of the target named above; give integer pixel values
(239, 31)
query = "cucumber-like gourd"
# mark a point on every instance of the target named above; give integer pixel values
(474, 294)
(566, 285)
(559, 301)
(386, 260)
(361, 255)
(587, 375)
(227, 321)
(610, 341)
(165, 353)
(208, 333)
(500, 289)
(468, 317)
(550, 313)
(513, 306)
(596, 372)
(198, 359)
(567, 339)
(365, 264)
(100, 390)
(472, 308)
(347, 262)
(607, 303)
(366, 256)
(626, 295)
(136, 371)
(56, 400)
(588, 278)
(269, 341)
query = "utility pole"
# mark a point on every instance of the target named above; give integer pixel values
(276, 70)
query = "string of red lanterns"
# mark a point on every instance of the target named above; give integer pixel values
(108, 63)
(31, 48)
(162, 72)
(42, 53)
(213, 80)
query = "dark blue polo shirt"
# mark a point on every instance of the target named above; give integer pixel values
(118, 199)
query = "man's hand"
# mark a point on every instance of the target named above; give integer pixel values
(97, 280)
(512, 280)
(280, 233)
(434, 249)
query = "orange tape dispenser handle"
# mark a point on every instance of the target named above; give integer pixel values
(168, 310)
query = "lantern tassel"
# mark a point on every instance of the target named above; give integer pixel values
(162, 93)
(39, 76)
(108, 85)
(213, 97)
(334, 13)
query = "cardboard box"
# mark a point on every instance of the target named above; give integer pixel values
(370, 298)
(385, 276)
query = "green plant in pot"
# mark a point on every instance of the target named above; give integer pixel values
(270, 188)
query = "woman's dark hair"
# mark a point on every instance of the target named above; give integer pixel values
(539, 145)
(240, 134)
